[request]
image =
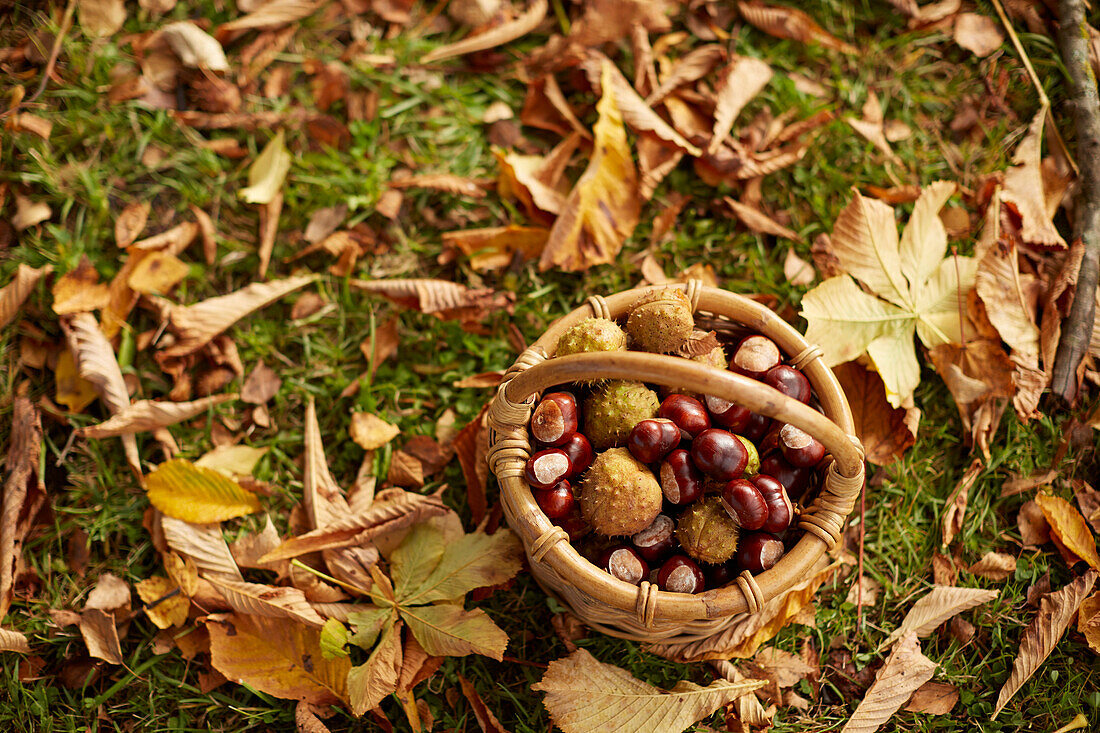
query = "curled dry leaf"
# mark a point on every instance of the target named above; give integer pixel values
(1068, 528)
(131, 222)
(1056, 612)
(873, 126)
(906, 669)
(270, 14)
(204, 544)
(79, 290)
(261, 384)
(691, 67)
(14, 641)
(787, 22)
(148, 415)
(1025, 190)
(497, 36)
(441, 298)
(956, 505)
(100, 635)
(866, 589)
(322, 497)
(194, 47)
(472, 446)
(24, 491)
(166, 605)
(182, 490)
(18, 290)
(583, 695)
(267, 172)
(1088, 621)
(758, 221)
(798, 271)
(269, 601)
(739, 82)
(994, 566)
(1033, 525)
(447, 182)
(883, 430)
(933, 698)
(940, 604)
(28, 213)
(484, 716)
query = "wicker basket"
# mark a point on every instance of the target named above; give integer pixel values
(643, 612)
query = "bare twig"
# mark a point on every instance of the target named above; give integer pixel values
(1073, 42)
(51, 62)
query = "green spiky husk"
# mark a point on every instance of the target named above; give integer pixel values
(661, 321)
(613, 409)
(592, 334)
(619, 495)
(707, 532)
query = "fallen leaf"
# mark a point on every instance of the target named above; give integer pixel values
(994, 566)
(261, 384)
(14, 641)
(197, 324)
(602, 210)
(306, 718)
(1033, 525)
(883, 430)
(270, 14)
(1088, 621)
(111, 593)
(99, 18)
(198, 495)
(757, 221)
(18, 290)
(204, 544)
(278, 656)
(782, 668)
(269, 229)
(583, 694)
(937, 606)
(148, 415)
(441, 298)
(1056, 612)
(269, 601)
(506, 32)
(447, 182)
(232, 460)
(495, 248)
(371, 682)
(100, 635)
(955, 511)
(24, 491)
(194, 47)
(787, 22)
(26, 122)
(933, 698)
(689, 68)
(796, 270)
(79, 290)
(157, 274)
(484, 716)
(29, 213)
(920, 292)
(131, 222)
(322, 497)
(865, 588)
(267, 172)
(405, 470)
(72, 391)
(1069, 528)
(873, 126)
(979, 34)
(324, 222)
(1024, 189)
(472, 446)
(371, 432)
(738, 83)
(905, 670)
(162, 608)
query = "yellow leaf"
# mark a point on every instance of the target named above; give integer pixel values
(73, 391)
(168, 612)
(267, 172)
(79, 290)
(195, 494)
(1069, 527)
(158, 273)
(183, 571)
(232, 460)
(370, 683)
(494, 248)
(371, 432)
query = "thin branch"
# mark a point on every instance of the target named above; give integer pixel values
(1077, 328)
(51, 62)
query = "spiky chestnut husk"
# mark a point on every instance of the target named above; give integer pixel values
(661, 321)
(612, 411)
(592, 334)
(619, 495)
(707, 532)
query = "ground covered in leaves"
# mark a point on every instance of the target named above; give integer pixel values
(264, 263)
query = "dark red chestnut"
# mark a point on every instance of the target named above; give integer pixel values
(580, 454)
(555, 418)
(729, 415)
(759, 551)
(756, 427)
(546, 468)
(718, 576)
(681, 481)
(794, 479)
(680, 574)
(801, 449)
(574, 525)
(651, 440)
(780, 509)
(625, 564)
(556, 502)
(755, 355)
(789, 381)
(658, 540)
(719, 454)
(745, 504)
(687, 412)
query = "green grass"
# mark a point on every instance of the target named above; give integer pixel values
(92, 167)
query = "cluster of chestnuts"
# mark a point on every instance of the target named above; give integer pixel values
(685, 491)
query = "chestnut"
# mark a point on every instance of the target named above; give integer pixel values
(651, 440)
(546, 468)
(794, 479)
(759, 551)
(718, 576)
(745, 504)
(625, 564)
(680, 574)
(580, 454)
(729, 415)
(555, 418)
(789, 381)
(687, 412)
(573, 524)
(801, 449)
(658, 540)
(719, 454)
(681, 481)
(756, 427)
(556, 502)
(780, 509)
(755, 355)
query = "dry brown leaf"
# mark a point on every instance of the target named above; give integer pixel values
(447, 182)
(1033, 525)
(495, 248)
(148, 415)
(441, 298)
(979, 34)
(261, 384)
(953, 515)
(269, 229)
(99, 18)
(738, 83)
(79, 290)
(497, 36)
(18, 290)
(994, 566)
(1068, 527)
(204, 544)
(14, 641)
(865, 588)
(782, 668)
(173, 241)
(26, 122)
(883, 430)
(787, 22)
(1088, 621)
(1024, 189)
(799, 272)
(371, 432)
(196, 325)
(602, 210)
(1088, 499)
(472, 446)
(322, 497)
(100, 635)
(538, 182)
(758, 221)
(405, 470)
(131, 222)
(484, 716)
(933, 698)
(306, 718)
(24, 491)
(872, 126)
(905, 670)
(691, 67)
(324, 222)
(937, 606)
(29, 213)
(1056, 612)
(979, 375)
(266, 600)
(270, 14)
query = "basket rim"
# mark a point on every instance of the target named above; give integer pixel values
(534, 372)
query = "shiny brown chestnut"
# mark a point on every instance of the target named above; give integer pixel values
(680, 480)
(546, 468)
(574, 525)
(651, 440)
(625, 564)
(801, 449)
(555, 418)
(726, 414)
(755, 355)
(557, 501)
(780, 509)
(688, 413)
(580, 454)
(756, 427)
(745, 504)
(793, 478)
(719, 454)
(789, 381)
(658, 540)
(680, 574)
(718, 576)
(759, 551)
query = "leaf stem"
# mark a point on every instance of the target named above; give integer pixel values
(346, 586)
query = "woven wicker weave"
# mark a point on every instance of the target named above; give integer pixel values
(643, 612)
